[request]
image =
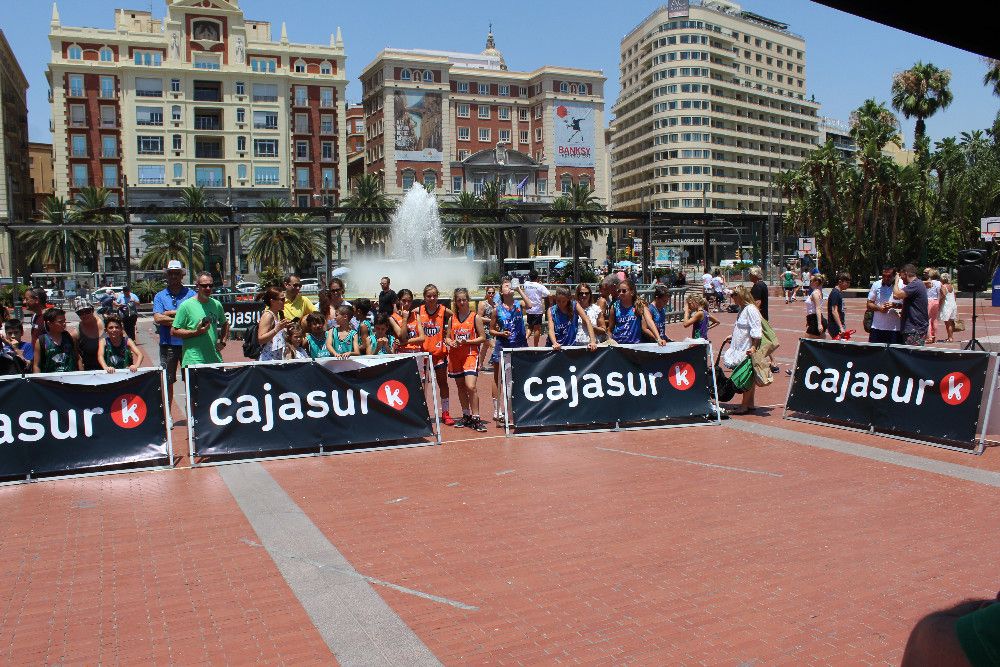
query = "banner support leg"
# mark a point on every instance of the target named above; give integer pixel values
(169, 417)
(504, 394)
(989, 405)
(791, 380)
(190, 416)
(715, 386)
(429, 365)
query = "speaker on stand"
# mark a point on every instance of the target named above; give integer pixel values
(974, 276)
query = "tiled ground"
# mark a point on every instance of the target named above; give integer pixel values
(716, 547)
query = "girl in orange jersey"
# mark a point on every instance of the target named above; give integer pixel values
(434, 319)
(406, 324)
(463, 342)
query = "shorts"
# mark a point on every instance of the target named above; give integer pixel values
(534, 320)
(914, 337)
(812, 325)
(460, 365)
(170, 357)
(439, 362)
(883, 337)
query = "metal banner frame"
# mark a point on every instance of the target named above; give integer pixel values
(427, 367)
(168, 424)
(509, 425)
(871, 430)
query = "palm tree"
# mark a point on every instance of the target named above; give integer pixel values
(992, 76)
(285, 247)
(54, 247)
(112, 236)
(482, 238)
(195, 198)
(578, 198)
(920, 92)
(495, 208)
(163, 245)
(873, 126)
(368, 203)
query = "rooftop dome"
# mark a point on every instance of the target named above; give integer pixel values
(491, 49)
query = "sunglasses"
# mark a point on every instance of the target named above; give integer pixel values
(335, 290)
(623, 291)
(295, 284)
(204, 285)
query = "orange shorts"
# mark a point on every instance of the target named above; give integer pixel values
(463, 363)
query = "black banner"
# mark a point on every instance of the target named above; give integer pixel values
(242, 314)
(612, 384)
(920, 393)
(272, 408)
(51, 424)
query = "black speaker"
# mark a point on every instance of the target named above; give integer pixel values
(973, 272)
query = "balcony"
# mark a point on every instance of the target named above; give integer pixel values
(208, 182)
(265, 98)
(210, 150)
(207, 91)
(109, 95)
(76, 92)
(109, 122)
(151, 180)
(326, 104)
(207, 123)
(139, 92)
(78, 122)
(266, 180)
(155, 121)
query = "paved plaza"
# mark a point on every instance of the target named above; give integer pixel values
(759, 542)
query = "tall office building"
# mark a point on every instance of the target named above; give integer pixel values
(456, 121)
(15, 179)
(713, 103)
(201, 97)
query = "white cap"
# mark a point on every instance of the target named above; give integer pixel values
(175, 265)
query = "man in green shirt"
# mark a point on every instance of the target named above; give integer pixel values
(201, 325)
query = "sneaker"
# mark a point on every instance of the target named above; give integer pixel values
(446, 418)
(479, 424)
(464, 422)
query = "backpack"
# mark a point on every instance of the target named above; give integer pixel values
(251, 346)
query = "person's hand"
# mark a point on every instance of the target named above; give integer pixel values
(284, 324)
(752, 351)
(111, 370)
(592, 346)
(219, 345)
(203, 328)
(449, 343)
(556, 346)
(381, 341)
(503, 334)
(661, 342)
(405, 314)
(133, 368)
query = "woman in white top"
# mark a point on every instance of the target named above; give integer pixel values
(744, 342)
(272, 325)
(814, 306)
(585, 297)
(933, 285)
(949, 308)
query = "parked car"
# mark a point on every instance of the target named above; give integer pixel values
(247, 288)
(100, 293)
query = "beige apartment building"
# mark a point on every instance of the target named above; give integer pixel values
(456, 121)
(713, 104)
(202, 96)
(15, 181)
(42, 182)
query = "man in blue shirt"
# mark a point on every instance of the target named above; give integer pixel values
(127, 304)
(165, 305)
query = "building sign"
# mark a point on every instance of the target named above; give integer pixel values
(574, 128)
(678, 8)
(418, 125)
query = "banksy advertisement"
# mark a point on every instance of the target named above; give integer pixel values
(418, 125)
(575, 133)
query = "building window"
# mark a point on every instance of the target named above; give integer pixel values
(149, 116)
(463, 134)
(177, 142)
(80, 179)
(178, 171)
(241, 88)
(76, 85)
(265, 120)
(326, 124)
(109, 175)
(430, 180)
(463, 155)
(302, 177)
(463, 111)
(522, 91)
(148, 87)
(503, 113)
(265, 92)
(428, 76)
(484, 89)
(538, 134)
(109, 146)
(540, 186)
(151, 174)
(241, 144)
(456, 183)
(484, 111)
(150, 145)
(207, 62)
(301, 96)
(241, 115)
(325, 68)
(327, 178)
(148, 58)
(522, 136)
(265, 148)
(265, 175)
(462, 86)
(175, 113)
(108, 87)
(108, 116)
(263, 65)
(327, 148)
(241, 172)
(175, 85)
(504, 90)
(484, 134)
(538, 112)
(563, 87)
(300, 66)
(408, 178)
(79, 145)
(74, 52)
(302, 123)
(585, 182)
(301, 150)
(209, 177)
(522, 114)
(504, 136)
(106, 55)
(574, 89)
(326, 98)
(405, 75)
(566, 183)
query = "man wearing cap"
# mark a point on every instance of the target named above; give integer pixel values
(127, 304)
(165, 305)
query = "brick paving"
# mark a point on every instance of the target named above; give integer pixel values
(712, 547)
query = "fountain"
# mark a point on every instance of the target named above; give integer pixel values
(417, 253)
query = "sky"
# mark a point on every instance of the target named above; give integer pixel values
(848, 59)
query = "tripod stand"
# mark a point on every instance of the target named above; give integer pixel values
(974, 343)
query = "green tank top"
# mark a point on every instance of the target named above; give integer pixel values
(343, 346)
(58, 358)
(317, 348)
(119, 357)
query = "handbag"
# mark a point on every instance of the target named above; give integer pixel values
(959, 325)
(869, 316)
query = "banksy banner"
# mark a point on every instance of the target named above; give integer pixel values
(575, 135)
(418, 125)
